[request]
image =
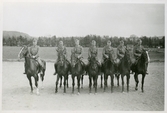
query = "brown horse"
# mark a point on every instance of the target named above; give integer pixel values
(108, 68)
(77, 70)
(93, 70)
(124, 69)
(140, 68)
(62, 68)
(32, 67)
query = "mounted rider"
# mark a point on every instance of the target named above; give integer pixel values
(34, 53)
(108, 50)
(120, 51)
(61, 49)
(77, 51)
(93, 52)
(138, 49)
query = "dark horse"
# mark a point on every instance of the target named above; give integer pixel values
(140, 68)
(32, 67)
(124, 69)
(62, 68)
(93, 71)
(108, 68)
(77, 69)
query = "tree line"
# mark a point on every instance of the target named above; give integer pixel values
(151, 42)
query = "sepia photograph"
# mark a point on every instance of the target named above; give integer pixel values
(83, 56)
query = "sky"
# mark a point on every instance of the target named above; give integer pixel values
(81, 19)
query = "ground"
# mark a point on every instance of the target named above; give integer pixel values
(16, 92)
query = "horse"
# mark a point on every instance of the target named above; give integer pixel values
(124, 69)
(77, 70)
(140, 68)
(93, 71)
(108, 68)
(32, 67)
(62, 68)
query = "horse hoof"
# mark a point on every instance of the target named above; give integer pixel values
(136, 88)
(95, 93)
(142, 91)
(38, 93)
(78, 93)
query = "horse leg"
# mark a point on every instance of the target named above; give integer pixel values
(128, 77)
(122, 77)
(90, 83)
(112, 82)
(101, 80)
(96, 77)
(78, 79)
(142, 88)
(73, 83)
(105, 82)
(94, 84)
(118, 79)
(57, 81)
(137, 81)
(30, 82)
(42, 78)
(60, 81)
(36, 83)
(82, 81)
(65, 78)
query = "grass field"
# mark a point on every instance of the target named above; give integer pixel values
(50, 54)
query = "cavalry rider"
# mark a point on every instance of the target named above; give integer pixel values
(138, 49)
(61, 48)
(77, 51)
(120, 51)
(34, 53)
(93, 51)
(107, 50)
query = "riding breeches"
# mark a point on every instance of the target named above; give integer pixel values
(40, 62)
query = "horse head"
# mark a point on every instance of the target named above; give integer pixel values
(73, 60)
(111, 57)
(61, 58)
(127, 56)
(93, 63)
(23, 52)
(144, 57)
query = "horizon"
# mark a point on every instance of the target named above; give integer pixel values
(50, 36)
(82, 19)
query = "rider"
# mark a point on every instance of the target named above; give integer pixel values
(108, 49)
(61, 48)
(78, 51)
(138, 49)
(120, 51)
(93, 51)
(34, 53)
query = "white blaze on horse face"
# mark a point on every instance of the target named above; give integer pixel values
(20, 52)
